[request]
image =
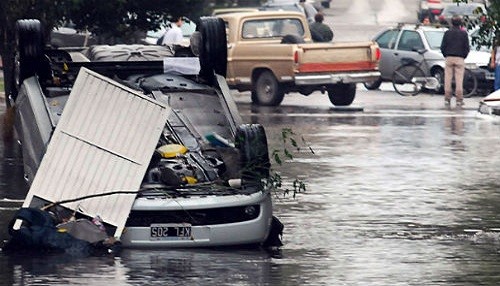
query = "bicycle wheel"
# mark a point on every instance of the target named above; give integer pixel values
(470, 83)
(408, 80)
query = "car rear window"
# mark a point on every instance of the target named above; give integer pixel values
(272, 28)
(387, 39)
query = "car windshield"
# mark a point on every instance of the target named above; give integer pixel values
(434, 39)
(465, 9)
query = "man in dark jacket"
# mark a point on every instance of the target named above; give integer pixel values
(320, 32)
(455, 48)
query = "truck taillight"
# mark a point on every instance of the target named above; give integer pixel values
(296, 57)
(378, 54)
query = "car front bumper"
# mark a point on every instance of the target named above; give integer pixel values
(205, 231)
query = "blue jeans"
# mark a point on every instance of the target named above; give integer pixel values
(497, 77)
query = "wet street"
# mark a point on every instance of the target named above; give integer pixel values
(400, 191)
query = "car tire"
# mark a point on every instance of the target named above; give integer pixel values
(267, 90)
(439, 75)
(29, 49)
(213, 48)
(251, 141)
(342, 94)
(373, 85)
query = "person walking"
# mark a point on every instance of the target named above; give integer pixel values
(320, 32)
(495, 62)
(173, 36)
(455, 48)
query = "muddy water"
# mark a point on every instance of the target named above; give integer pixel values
(399, 192)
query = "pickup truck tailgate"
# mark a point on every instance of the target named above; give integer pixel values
(337, 57)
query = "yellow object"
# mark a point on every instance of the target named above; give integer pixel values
(190, 180)
(172, 150)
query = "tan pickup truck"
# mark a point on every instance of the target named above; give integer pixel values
(271, 53)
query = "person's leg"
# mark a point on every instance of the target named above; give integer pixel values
(459, 79)
(497, 77)
(448, 74)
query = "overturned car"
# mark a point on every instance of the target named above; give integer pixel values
(489, 106)
(150, 143)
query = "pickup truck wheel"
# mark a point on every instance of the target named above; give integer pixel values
(251, 141)
(29, 49)
(267, 90)
(213, 48)
(342, 94)
(372, 85)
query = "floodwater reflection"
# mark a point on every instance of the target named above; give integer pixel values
(395, 196)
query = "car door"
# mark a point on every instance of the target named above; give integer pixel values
(387, 43)
(408, 44)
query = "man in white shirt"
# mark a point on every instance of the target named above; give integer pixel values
(173, 36)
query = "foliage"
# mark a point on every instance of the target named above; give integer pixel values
(290, 146)
(487, 23)
(106, 19)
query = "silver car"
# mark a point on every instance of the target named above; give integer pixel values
(406, 40)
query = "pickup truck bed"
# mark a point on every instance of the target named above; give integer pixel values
(272, 53)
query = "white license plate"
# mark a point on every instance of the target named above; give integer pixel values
(170, 232)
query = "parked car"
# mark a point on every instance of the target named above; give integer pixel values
(469, 11)
(429, 8)
(489, 107)
(150, 143)
(404, 40)
(306, 8)
(68, 36)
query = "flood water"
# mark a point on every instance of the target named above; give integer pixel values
(402, 192)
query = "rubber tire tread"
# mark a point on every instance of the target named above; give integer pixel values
(278, 95)
(213, 48)
(348, 91)
(30, 47)
(251, 141)
(373, 85)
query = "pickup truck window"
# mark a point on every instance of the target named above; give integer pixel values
(388, 39)
(272, 28)
(410, 41)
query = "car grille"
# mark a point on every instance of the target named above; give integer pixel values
(194, 217)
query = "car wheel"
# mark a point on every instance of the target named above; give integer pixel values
(29, 49)
(251, 141)
(439, 75)
(372, 85)
(213, 48)
(342, 94)
(267, 90)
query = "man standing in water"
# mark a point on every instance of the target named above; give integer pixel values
(455, 48)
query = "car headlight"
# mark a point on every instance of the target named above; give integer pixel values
(471, 66)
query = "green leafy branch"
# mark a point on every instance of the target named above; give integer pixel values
(289, 146)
